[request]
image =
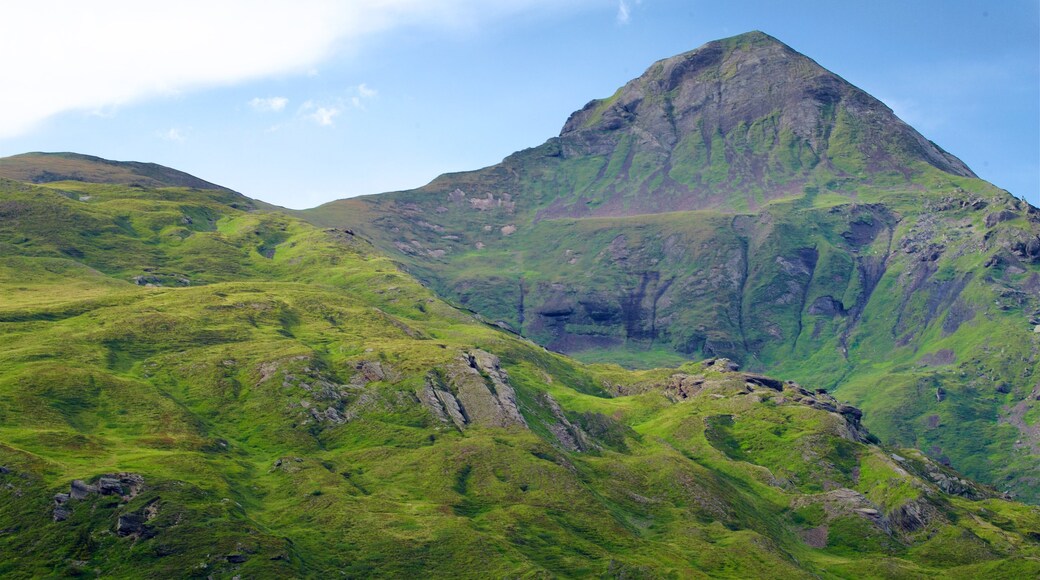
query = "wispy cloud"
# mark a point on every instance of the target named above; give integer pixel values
(323, 115)
(623, 12)
(116, 52)
(173, 134)
(269, 104)
(364, 93)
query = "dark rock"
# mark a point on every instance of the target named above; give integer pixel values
(725, 365)
(122, 484)
(4, 470)
(130, 524)
(827, 306)
(764, 382)
(555, 310)
(1000, 216)
(147, 281)
(371, 371)
(61, 509)
(80, 489)
(1033, 248)
(61, 513)
(940, 394)
(850, 412)
(681, 386)
(237, 558)
(908, 517)
(109, 486)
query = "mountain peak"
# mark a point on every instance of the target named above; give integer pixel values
(772, 111)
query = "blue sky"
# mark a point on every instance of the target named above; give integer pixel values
(299, 103)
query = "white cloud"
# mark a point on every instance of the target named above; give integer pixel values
(173, 134)
(366, 92)
(108, 53)
(323, 115)
(623, 12)
(269, 104)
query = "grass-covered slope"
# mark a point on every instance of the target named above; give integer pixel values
(192, 388)
(741, 201)
(50, 167)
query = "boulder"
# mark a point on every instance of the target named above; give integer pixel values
(80, 489)
(61, 509)
(109, 486)
(130, 524)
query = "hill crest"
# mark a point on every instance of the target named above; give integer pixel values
(40, 167)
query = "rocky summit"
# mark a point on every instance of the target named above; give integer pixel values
(840, 319)
(739, 200)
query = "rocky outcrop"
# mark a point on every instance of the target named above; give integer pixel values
(316, 396)
(135, 523)
(442, 404)
(570, 436)
(473, 390)
(682, 386)
(942, 477)
(124, 485)
(911, 516)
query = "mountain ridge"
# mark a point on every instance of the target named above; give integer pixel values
(40, 167)
(817, 231)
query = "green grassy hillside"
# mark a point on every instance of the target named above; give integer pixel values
(190, 387)
(741, 201)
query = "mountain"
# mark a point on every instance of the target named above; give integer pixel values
(741, 201)
(192, 386)
(52, 167)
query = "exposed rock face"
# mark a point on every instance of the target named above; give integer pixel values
(571, 437)
(473, 390)
(909, 517)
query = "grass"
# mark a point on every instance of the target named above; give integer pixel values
(656, 286)
(206, 390)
